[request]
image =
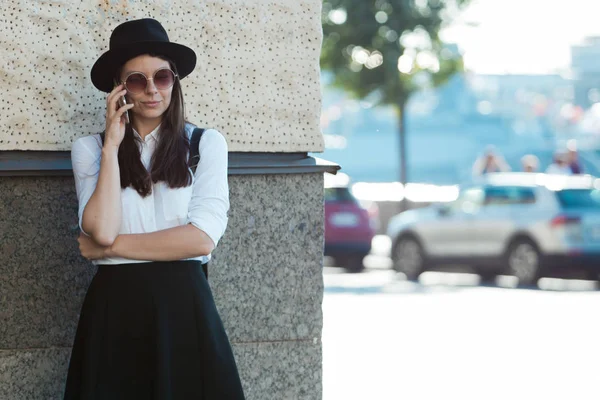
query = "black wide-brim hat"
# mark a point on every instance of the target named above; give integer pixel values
(134, 38)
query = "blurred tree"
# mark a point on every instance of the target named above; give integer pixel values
(384, 50)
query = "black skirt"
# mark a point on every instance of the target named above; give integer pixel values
(151, 331)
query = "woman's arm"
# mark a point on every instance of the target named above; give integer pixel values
(207, 216)
(96, 211)
(207, 212)
(179, 243)
(101, 217)
(102, 214)
(210, 196)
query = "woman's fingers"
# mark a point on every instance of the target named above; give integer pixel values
(114, 110)
(111, 95)
(111, 100)
(123, 109)
(115, 119)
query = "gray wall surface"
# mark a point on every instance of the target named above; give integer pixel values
(265, 276)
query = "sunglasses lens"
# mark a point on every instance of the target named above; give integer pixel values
(164, 79)
(135, 83)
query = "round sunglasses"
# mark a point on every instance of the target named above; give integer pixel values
(136, 82)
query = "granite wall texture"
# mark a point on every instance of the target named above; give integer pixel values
(265, 274)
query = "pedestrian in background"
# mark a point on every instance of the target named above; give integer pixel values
(530, 163)
(489, 162)
(149, 328)
(573, 158)
(560, 165)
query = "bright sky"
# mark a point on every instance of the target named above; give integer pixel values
(523, 36)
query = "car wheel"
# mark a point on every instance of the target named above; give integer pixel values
(486, 276)
(408, 257)
(351, 263)
(524, 262)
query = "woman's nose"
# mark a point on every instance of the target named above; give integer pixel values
(150, 87)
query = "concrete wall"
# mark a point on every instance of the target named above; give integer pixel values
(256, 80)
(266, 278)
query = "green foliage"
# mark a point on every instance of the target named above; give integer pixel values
(387, 49)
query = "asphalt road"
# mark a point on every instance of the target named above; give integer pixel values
(449, 338)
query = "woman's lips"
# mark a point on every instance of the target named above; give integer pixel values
(151, 104)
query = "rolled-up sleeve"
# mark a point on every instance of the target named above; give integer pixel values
(85, 159)
(210, 195)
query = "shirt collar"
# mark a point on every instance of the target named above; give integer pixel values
(151, 136)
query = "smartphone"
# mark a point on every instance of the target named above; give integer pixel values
(121, 102)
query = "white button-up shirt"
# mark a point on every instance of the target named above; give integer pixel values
(204, 204)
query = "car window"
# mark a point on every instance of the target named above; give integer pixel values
(469, 200)
(339, 194)
(508, 195)
(579, 198)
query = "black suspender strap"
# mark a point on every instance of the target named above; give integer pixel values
(194, 150)
(193, 163)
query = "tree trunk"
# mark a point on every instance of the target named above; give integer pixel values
(403, 162)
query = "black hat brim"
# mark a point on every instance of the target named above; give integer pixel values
(105, 68)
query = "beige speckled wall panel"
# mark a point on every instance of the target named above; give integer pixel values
(257, 78)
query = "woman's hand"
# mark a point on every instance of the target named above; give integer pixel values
(115, 118)
(90, 249)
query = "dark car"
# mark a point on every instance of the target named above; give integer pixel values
(348, 228)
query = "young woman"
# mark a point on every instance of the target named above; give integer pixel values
(149, 328)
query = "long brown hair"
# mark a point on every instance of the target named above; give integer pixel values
(169, 161)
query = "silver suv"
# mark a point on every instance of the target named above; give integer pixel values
(520, 224)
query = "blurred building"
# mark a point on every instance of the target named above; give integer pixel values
(449, 127)
(586, 71)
